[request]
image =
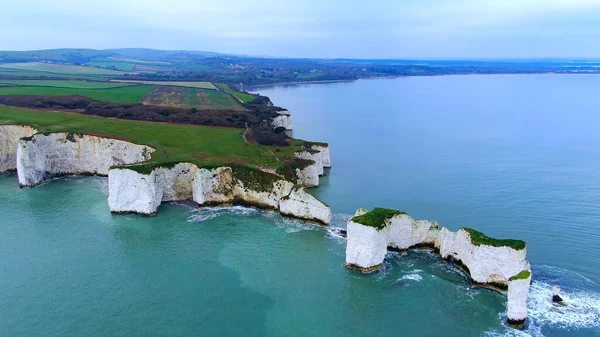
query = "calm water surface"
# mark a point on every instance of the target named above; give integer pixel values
(513, 156)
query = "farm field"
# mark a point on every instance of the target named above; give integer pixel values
(244, 97)
(191, 98)
(124, 66)
(200, 85)
(20, 74)
(128, 94)
(201, 145)
(63, 84)
(60, 68)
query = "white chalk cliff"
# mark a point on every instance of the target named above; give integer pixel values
(487, 265)
(284, 120)
(9, 140)
(44, 156)
(40, 157)
(142, 193)
(325, 158)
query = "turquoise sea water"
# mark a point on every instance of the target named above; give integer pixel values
(513, 156)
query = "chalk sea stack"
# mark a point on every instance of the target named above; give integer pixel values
(496, 264)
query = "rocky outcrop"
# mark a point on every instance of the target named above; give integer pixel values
(142, 192)
(9, 140)
(368, 245)
(324, 150)
(518, 291)
(556, 298)
(284, 120)
(487, 265)
(497, 264)
(45, 156)
(315, 156)
(301, 204)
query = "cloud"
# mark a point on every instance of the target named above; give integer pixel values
(334, 28)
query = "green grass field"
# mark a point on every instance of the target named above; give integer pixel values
(63, 84)
(241, 95)
(173, 142)
(130, 94)
(118, 65)
(199, 85)
(60, 68)
(19, 74)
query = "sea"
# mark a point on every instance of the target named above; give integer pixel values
(514, 156)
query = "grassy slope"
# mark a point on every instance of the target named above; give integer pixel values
(376, 218)
(523, 275)
(243, 96)
(197, 144)
(64, 84)
(479, 238)
(131, 94)
(60, 68)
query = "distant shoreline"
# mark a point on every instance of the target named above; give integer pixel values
(250, 87)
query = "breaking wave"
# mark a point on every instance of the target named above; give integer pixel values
(413, 275)
(207, 213)
(582, 310)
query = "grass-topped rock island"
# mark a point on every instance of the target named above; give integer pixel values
(500, 265)
(235, 154)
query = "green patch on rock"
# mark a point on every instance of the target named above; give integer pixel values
(289, 166)
(254, 179)
(523, 275)
(377, 218)
(478, 239)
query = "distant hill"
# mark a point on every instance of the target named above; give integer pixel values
(242, 70)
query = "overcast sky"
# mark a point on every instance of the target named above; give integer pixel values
(305, 28)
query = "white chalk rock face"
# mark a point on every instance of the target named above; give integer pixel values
(404, 232)
(175, 183)
(308, 175)
(264, 199)
(313, 155)
(46, 156)
(365, 247)
(324, 150)
(213, 186)
(518, 291)
(284, 120)
(132, 192)
(301, 204)
(9, 140)
(487, 264)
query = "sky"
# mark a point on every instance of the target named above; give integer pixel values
(391, 29)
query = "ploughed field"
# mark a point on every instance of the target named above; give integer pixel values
(186, 102)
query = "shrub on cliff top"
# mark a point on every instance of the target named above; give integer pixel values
(478, 239)
(377, 217)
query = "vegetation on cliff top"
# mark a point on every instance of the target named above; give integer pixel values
(523, 275)
(376, 218)
(201, 145)
(478, 239)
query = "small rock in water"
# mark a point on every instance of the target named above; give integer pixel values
(556, 299)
